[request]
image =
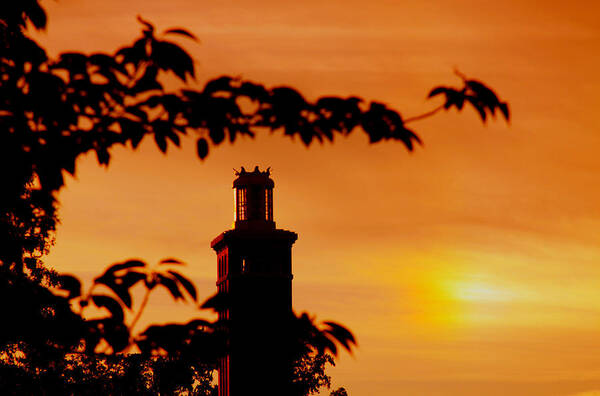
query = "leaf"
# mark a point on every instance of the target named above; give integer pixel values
(306, 135)
(171, 285)
(328, 343)
(171, 261)
(101, 300)
(134, 54)
(504, 109)
(202, 148)
(125, 265)
(36, 14)
(120, 288)
(253, 91)
(483, 93)
(170, 56)
(130, 278)
(161, 141)
(437, 91)
(172, 136)
(71, 284)
(216, 133)
(341, 334)
(478, 106)
(133, 131)
(181, 32)
(102, 155)
(186, 283)
(218, 84)
(287, 102)
(407, 138)
(454, 98)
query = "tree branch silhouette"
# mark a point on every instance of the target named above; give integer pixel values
(424, 115)
(140, 310)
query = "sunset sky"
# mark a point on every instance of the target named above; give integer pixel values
(468, 267)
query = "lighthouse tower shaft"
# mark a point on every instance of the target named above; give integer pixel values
(254, 269)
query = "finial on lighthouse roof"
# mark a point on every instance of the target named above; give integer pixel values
(255, 172)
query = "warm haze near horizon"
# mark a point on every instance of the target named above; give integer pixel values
(469, 267)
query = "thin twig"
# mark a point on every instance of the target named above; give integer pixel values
(139, 313)
(424, 115)
(137, 317)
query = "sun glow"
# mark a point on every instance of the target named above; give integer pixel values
(479, 291)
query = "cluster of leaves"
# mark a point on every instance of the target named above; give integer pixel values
(325, 338)
(75, 353)
(29, 307)
(339, 392)
(478, 95)
(309, 373)
(111, 332)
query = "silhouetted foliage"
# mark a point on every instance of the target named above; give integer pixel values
(339, 392)
(475, 93)
(46, 345)
(309, 373)
(54, 110)
(84, 356)
(132, 374)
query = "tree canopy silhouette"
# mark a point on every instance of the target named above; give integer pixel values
(54, 110)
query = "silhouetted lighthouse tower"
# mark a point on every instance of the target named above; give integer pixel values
(255, 270)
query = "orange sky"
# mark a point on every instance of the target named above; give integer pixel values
(468, 267)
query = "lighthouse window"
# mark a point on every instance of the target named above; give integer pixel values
(269, 204)
(241, 204)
